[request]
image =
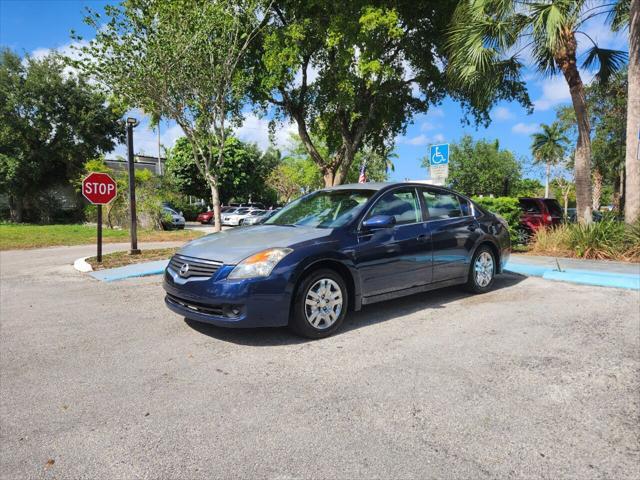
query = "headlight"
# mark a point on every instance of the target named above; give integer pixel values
(259, 265)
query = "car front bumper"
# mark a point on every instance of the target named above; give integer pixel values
(260, 302)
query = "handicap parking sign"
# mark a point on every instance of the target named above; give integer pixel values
(439, 154)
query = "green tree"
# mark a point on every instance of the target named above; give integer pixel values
(607, 106)
(527, 187)
(485, 41)
(50, 124)
(184, 60)
(481, 168)
(242, 177)
(346, 72)
(293, 177)
(548, 147)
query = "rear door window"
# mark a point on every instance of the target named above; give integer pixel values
(529, 206)
(442, 205)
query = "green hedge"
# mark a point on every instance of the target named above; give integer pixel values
(507, 207)
(190, 211)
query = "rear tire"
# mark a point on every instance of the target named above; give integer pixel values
(482, 270)
(320, 305)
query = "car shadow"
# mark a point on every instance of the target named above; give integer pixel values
(369, 315)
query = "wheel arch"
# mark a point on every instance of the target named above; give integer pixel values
(494, 249)
(353, 288)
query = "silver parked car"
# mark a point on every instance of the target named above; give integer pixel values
(172, 219)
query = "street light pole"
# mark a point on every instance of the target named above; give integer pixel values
(131, 123)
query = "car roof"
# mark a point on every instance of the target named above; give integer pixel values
(376, 186)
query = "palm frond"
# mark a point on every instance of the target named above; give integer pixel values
(618, 16)
(609, 62)
(549, 21)
(544, 60)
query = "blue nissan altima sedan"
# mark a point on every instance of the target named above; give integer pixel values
(335, 250)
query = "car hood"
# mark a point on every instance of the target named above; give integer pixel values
(233, 246)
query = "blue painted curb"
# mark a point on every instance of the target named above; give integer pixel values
(584, 277)
(131, 271)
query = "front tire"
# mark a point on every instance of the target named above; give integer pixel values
(482, 270)
(320, 305)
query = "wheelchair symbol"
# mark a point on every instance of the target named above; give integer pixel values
(437, 158)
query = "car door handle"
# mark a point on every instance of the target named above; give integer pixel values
(423, 238)
(472, 227)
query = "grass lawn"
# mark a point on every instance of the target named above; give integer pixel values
(120, 259)
(19, 236)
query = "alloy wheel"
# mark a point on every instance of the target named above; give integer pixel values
(323, 303)
(484, 269)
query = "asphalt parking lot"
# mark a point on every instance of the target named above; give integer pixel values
(536, 379)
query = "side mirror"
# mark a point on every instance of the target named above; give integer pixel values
(379, 222)
(181, 214)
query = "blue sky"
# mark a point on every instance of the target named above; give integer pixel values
(37, 26)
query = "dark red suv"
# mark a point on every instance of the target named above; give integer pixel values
(537, 213)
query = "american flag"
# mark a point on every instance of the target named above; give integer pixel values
(363, 173)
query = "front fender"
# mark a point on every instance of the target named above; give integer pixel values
(340, 261)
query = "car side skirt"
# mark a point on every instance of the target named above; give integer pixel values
(413, 290)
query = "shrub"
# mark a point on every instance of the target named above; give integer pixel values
(190, 211)
(149, 196)
(608, 239)
(507, 207)
(599, 240)
(552, 241)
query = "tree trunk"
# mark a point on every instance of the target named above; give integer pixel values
(597, 189)
(16, 208)
(215, 200)
(566, 61)
(546, 182)
(329, 176)
(632, 162)
(565, 197)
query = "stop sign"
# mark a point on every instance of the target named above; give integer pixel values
(99, 188)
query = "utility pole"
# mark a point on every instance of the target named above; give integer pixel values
(131, 123)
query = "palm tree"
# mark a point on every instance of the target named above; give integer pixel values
(632, 162)
(549, 147)
(485, 42)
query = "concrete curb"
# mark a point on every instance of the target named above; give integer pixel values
(131, 271)
(584, 277)
(82, 266)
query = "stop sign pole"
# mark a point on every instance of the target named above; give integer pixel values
(100, 189)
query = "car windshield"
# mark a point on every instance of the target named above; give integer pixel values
(322, 209)
(171, 211)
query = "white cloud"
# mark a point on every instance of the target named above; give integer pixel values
(256, 130)
(436, 112)
(427, 126)
(67, 50)
(420, 140)
(525, 128)
(415, 141)
(554, 91)
(502, 113)
(145, 138)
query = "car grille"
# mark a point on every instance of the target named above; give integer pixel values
(197, 307)
(196, 267)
